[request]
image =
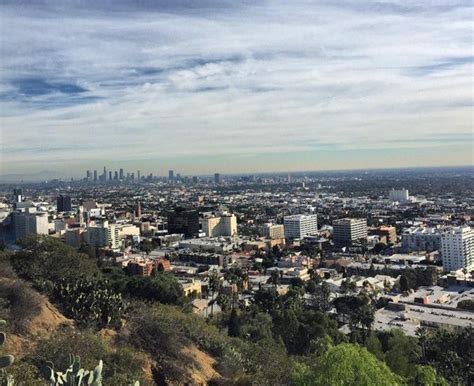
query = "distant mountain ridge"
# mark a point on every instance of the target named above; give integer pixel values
(32, 177)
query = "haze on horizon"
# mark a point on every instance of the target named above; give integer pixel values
(234, 86)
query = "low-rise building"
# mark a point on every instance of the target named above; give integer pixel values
(417, 239)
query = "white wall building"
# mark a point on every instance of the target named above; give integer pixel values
(300, 225)
(426, 239)
(273, 231)
(128, 230)
(457, 249)
(223, 225)
(400, 195)
(102, 235)
(30, 222)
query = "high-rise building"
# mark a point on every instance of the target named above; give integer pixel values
(88, 175)
(63, 203)
(400, 195)
(17, 195)
(115, 175)
(139, 209)
(30, 222)
(101, 235)
(217, 178)
(347, 231)
(184, 221)
(171, 175)
(95, 175)
(138, 175)
(121, 174)
(300, 225)
(457, 249)
(74, 237)
(110, 175)
(223, 225)
(273, 231)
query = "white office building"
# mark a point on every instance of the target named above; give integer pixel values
(300, 225)
(347, 231)
(400, 195)
(457, 249)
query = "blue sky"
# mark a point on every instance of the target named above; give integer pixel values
(234, 86)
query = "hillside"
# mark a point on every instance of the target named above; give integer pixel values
(26, 341)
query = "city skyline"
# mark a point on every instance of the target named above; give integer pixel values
(234, 87)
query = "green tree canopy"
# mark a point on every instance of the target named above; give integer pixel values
(162, 287)
(46, 258)
(348, 364)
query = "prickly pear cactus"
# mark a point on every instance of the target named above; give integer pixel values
(74, 374)
(5, 360)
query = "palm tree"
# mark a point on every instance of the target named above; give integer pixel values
(214, 286)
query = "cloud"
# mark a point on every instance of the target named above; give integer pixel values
(443, 65)
(128, 79)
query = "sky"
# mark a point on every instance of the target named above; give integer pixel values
(234, 86)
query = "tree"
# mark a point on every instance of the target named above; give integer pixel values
(451, 353)
(267, 300)
(466, 304)
(255, 325)
(402, 354)
(146, 246)
(374, 346)
(224, 301)
(234, 323)
(378, 248)
(348, 286)
(163, 287)
(358, 311)
(348, 364)
(426, 375)
(274, 276)
(404, 284)
(214, 287)
(321, 297)
(364, 317)
(422, 335)
(45, 258)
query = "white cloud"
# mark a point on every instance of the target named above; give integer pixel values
(253, 78)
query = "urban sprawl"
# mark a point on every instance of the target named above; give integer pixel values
(412, 251)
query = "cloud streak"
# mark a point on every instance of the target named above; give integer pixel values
(130, 80)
